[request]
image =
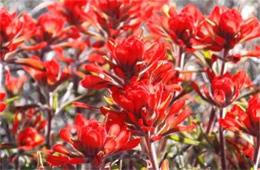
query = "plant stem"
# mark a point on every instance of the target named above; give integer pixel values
(49, 129)
(224, 61)
(151, 152)
(179, 64)
(256, 152)
(211, 119)
(50, 116)
(222, 143)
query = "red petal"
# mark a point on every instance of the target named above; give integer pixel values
(173, 121)
(176, 107)
(2, 107)
(57, 160)
(130, 145)
(82, 105)
(94, 82)
(110, 146)
(61, 149)
(76, 160)
(80, 120)
(2, 96)
(66, 135)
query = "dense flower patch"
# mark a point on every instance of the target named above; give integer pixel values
(118, 84)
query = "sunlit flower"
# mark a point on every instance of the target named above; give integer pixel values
(225, 89)
(225, 27)
(246, 121)
(93, 143)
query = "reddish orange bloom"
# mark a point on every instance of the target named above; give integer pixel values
(2, 105)
(244, 153)
(246, 121)
(224, 89)
(94, 142)
(181, 27)
(50, 26)
(13, 31)
(29, 136)
(14, 84)
(225, 27)
(72, 10)
(45, 73)
(130, 58)
(120, 17)
(148, 107)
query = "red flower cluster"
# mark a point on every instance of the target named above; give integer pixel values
(183, 26)
(224, 28)
(14, 85)
(45, 73)
(130, 58)
(31, 124)
(94, 142)
(146, 80)
(147, 108)
(239, 120)
(14, 30)
(224, 89)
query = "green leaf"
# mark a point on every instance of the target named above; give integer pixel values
(201, 160)
(184, 140)
(55, 101)
(206, 54)
(11, 99)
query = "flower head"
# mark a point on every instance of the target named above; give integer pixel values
(183, 26)
(45, 73)
(28, 134)
(14, 84)
(130, 58)
(146, 108)
(94, 141)
(225, 27)
(246, 121)
(224, 89)
(180, 27)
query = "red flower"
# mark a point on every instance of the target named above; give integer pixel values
(2, 105)
(50, 26)
(29, 138)
(116, 16)
(243, 153)
(130, 58)
(13, 31)
(31, 125)
(71, 10)
(45, 73)
(148, 107)
(225, 27)
(14, 85)
(94, 141)
(127, 53)
(224, 89)
(183, 26)
(239, 120)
